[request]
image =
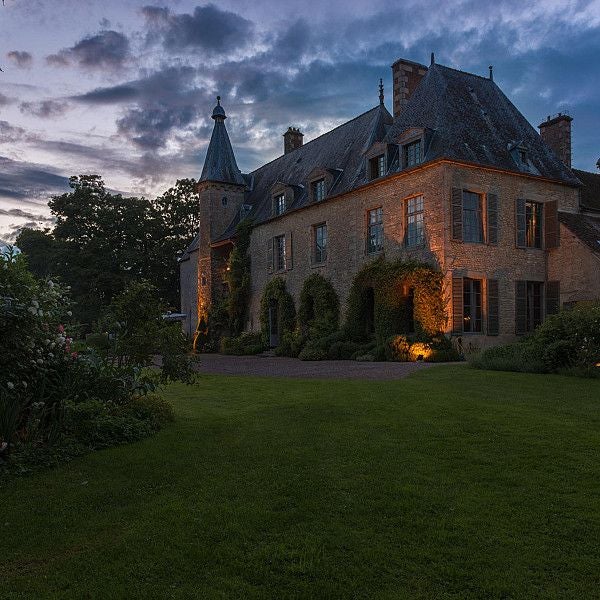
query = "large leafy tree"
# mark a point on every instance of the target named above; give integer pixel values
(103, 241)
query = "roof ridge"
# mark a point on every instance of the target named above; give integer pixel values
(464, 72)
(319, 137)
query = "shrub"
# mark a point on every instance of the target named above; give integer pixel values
(511, 357)
(151, 408)
(313, 350)
(245, 344)
(397, 348)
(344, 350)
(276, 296)
(319, 310)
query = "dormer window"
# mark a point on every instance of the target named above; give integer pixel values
(279, 204)
(412, 154)
(377, 166)
(523, 156)
(318, 190)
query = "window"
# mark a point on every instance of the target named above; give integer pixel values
(472, 217)
(523, 156)
(415, 234)
(533, 224)
(320, 243)
(377, 167)
(471, 305)
(224, 200)
(535, 291)
(318, 190)
(412, 154)
(375, 231)
(280, 253)
(279, 204)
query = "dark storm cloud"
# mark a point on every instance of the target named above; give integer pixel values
(107, 50)
(108, 95)
(45, 109)
(25, 214)
(22, 59)
(208, 28)
(28, 181)
(5, 100)
(10, 134)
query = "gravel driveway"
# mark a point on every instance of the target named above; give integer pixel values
(273, 366)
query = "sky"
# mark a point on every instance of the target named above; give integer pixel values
(125, 88)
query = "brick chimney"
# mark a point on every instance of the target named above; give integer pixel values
(556, 132)
(406, 76)
(292, 139)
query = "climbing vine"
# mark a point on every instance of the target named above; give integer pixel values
(319, 310)
(276, 295)
(238, 279)
(395, 297)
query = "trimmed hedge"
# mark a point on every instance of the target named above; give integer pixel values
(319, 310)
(243, 345)
(276, 293)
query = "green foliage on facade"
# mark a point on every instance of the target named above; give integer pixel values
(319, 310)
(276, 296)
(238, 280)
(387, 298)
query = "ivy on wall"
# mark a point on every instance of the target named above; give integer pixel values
(276, 295)
(238, 279)
(395, 297)
(319, 310)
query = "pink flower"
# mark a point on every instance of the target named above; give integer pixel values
(73, 355)
(61, 328)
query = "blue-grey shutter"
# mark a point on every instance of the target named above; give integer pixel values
(493, 313)
(270, 256)
(457, 216)
(520, 307)
(289, 263)
(492, 219)
(521, 223)
(552, 297)
(551, 225)
(457, 305)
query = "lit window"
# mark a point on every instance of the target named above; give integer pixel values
(375, 231)
(280, 253)
(279, 204)
(415, 234)
(377, 167)
(318, 190)
(472, 217)
(320, 241)
(412, 154)
(533, 224)
(471, 305)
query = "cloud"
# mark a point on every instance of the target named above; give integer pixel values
(208, 28)
(45, 109)
(107, 50)
(5, 100)
(11, 134)
(29, 181)
(25, 214)
(22, 59)
(109, 95)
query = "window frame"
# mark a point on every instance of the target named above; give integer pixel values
(377, 166)
(406, 153)
(379, 236)
(534, 213)
(279, 201)
(480, 212)
(415, 214)
(279, 253)
(315, 186)
(319, 254)
(476, 324)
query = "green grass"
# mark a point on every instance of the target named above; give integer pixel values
(453, 483)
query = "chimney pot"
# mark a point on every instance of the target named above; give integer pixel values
(292, 139)
(556, 132)
(406, 76)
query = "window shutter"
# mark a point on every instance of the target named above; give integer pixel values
(551, 225)
(492, 219)
(493, 319)
(521, 223)
(552, 297)
(270, 243)
(520, 307)
(457, 305)
(457, 223)
(289, 263)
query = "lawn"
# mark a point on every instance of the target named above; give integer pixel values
(452, 483)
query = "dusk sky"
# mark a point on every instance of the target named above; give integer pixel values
(125, 88)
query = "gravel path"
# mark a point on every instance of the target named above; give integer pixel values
(273, 366)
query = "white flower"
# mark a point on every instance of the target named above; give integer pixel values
(32, 310)
(10, 385)
(40, 361)
(24, 384)
(50, 283)
(69, 313)
(50, 355)
(35, 303)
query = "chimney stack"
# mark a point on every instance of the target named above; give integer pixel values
(406, 76)
(292, 139)
(556, 132)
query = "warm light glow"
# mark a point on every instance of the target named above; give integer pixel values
(420, 351)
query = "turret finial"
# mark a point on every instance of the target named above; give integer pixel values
(432, 58)
(491, 72)
(218, 110)
(381, 92)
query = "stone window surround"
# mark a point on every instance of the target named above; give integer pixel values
(313, 238)
(484, 211)
(483, 277)
(405, 221)
(367, 220)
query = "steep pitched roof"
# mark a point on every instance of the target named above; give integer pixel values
(585, 227)
(220, 164)
(473, 121)
(590, 191)
(340, 150)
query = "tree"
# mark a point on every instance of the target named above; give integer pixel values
(39, 247)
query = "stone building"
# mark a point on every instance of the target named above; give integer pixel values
(456, 177)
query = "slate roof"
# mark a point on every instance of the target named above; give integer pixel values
(220, 164)
(472, 120)
(585, 227)
(590, 191)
